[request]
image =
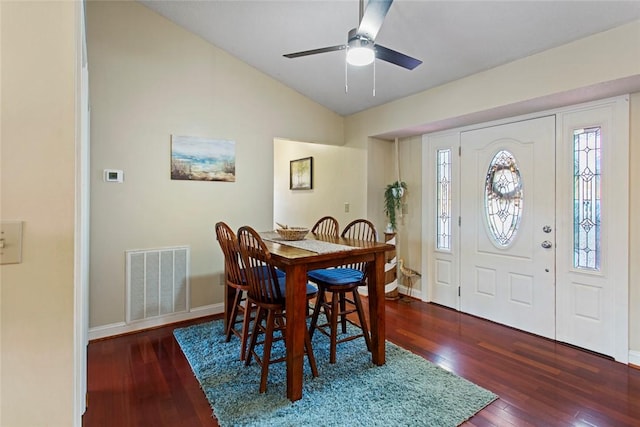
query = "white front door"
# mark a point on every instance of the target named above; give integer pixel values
(507, 227)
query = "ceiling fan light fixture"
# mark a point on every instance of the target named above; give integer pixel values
(361, 47)
(360, 56)
(360, 52)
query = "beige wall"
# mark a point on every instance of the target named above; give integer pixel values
(337, 179)
(150, 79)
(409, 238)
(381, 171)
(37, 170)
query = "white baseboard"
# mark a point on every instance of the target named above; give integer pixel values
(413, 293)
(634, 358)
(120, 328)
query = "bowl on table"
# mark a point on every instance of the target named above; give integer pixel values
(293, 233)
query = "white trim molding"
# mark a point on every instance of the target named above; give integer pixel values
(120, 328)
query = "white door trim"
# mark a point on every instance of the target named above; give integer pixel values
(81, 223)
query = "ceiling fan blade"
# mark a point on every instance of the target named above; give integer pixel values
(373, 18)
(315, 51)
(396, 58)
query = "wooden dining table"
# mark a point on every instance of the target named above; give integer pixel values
(295, 262)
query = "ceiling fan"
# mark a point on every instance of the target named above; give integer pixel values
(361, 46)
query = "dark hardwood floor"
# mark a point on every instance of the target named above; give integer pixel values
(143, 379)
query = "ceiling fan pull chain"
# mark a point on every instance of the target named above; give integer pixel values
(346, 75)
(374, 78)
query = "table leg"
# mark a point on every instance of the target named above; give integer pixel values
(377, 308)
(296, 310)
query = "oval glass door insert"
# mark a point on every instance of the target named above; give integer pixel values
(503, 198)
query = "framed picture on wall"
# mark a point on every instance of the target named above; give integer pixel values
(301, 174)
(202, 159)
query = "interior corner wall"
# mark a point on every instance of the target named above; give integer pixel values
(338, 179)
(38, 82)
(409, 234)
(381, 171)
(149, 79)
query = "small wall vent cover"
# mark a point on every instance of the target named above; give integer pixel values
(157, 282)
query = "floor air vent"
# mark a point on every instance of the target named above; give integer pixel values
(157, 282)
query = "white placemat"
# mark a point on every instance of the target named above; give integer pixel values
(317, 246)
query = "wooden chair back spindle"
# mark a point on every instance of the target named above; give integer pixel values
(326, 226)
(231, 251)
(360, 229)
(261, 275)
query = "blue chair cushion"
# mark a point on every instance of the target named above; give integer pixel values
(282, 281)
(279, 274)
(336, 276)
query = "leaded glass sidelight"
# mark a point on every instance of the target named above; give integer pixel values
(586, 198)
(443, 213)
(503, 198)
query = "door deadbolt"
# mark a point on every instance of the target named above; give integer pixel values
(546, 229)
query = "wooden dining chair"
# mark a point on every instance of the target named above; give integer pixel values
(267, 292)
(326, 226)
(235, 280)
(236, 283)
(342, 282)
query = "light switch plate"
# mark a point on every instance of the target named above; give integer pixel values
(11, 242)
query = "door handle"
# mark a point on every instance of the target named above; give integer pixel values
(546, 244)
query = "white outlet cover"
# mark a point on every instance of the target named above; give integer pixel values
(113, 175)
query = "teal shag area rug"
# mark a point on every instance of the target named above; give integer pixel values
(407, 391)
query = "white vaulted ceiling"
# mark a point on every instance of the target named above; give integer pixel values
(454, 39)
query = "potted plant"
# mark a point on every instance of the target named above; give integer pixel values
(393, 200)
